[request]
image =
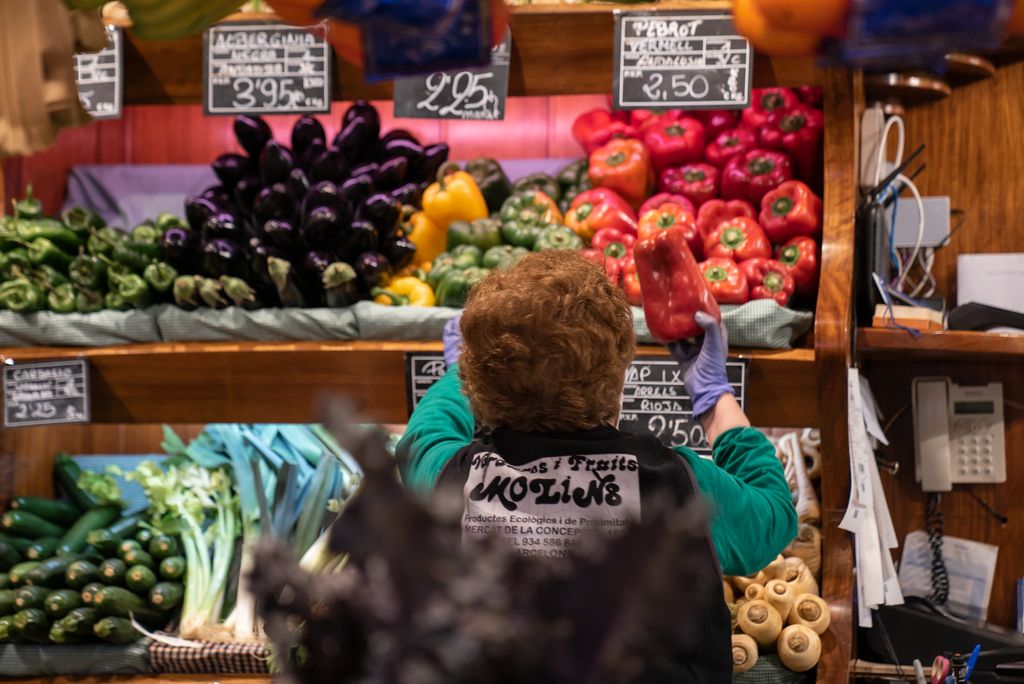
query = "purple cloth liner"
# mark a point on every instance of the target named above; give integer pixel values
(127, 194)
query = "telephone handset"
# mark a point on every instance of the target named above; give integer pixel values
(958, 434)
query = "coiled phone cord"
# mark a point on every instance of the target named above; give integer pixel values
(940, 576)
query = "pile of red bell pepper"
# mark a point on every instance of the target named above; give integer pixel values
(738, 185)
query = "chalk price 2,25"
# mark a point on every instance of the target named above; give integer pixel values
(469, 97)
(272, 93)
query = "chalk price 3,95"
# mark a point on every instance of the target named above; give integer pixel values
(273, 93)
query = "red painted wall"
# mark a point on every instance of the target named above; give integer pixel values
(179, 134)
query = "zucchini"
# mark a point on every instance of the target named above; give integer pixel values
(30, 597)
(5, 581)
(89, 592)
(104, 541)
(116, 630)
(112, 571)
(57, 512)
(61, 602)
(126, 546)
(42, 549)
(81, 573)
(6, 601)
(162, 546)
(66, 471)
(32, 624)
(9, 556)
(20, 544)
(139, 579)
(139, 557)
(59, 635)
(50, 573)
(126, 526)
(7, 632)
(73, 540)
(90, 554)
(80, 620)
(172, 568)
(166, 595)
(19, 571)
(119, 602)
(144, 536)
(24, 524)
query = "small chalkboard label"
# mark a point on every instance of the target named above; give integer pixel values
(475, 94)
(654, 400)
(265, 68)
(680, 59)
(46, 393)
(99, 77)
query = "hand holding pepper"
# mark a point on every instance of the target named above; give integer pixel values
(704, 373)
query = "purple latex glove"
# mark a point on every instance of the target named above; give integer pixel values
(704, 364)
(452, 338)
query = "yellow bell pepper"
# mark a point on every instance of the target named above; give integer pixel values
(429, 238)
(454, 197)
(404, 291)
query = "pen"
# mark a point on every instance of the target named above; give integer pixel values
(973, 660)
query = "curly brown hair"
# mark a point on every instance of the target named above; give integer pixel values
(546, 345)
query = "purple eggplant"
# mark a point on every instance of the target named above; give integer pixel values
(360, 237)
(282, 235)
(304, 132)
(231, 168)
(391, 174)
(368, 169)
(180, 248)
(373, 270)
(246, 192)
(411, 151)
(219, 195)
(331, 165)
(224, 225)
(433, 157)
(365, 110)
(276, 163)
(340, 286)
(274, 202)
(298, 184)
(399, 252)
(252, 133)
(310, 155)
(312, 271)
(323, 194)
(223, 257)
(356, 140)
(409, 193)
(197, 210)
(383, 211)
(282, 275)
(356, 189)
(398, 134)
(324, 228)
(259, 252)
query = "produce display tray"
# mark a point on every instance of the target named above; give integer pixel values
(32, 660)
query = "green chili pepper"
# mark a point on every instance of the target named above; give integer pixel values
(87, 271)
(49, 276)
(8, 235)
(132, 288)
(146, 234)
(61, 299)
(165, 221)
(15, 259)
(112, 300)
(29, 207)
(88, 301)
(134, 255)
(44, 251)
(160, 276)
(558, 237)
(114, 269)
(54, 231)
(21, 295)
(103, 241)
(81, 222)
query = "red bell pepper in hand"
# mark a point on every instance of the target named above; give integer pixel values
(728, 144)
(671, 217)
(717, 120)
(595, 128)
(796, 131)
(613, 248)
(696, 182)
(754, 174)
(764, 101)
(790, 210)
(675, 142)
(768, 279)
(726, 281)
(666, 198)
(599, 208)
(623, 166)
(739, 239)
(716, 211)
(673, 288)
(799, 257)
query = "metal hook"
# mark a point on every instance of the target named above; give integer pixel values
(891, 467)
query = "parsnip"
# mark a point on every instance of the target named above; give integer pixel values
(741, 583)
(799, 648)
(810, 611)
(754, 592)
(799, 577)
(734, 611)
(730, 595)
(779, 596)
(806, 547)
(759, 620)
(744, 653)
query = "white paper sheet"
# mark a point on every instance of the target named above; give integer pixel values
(971, 566)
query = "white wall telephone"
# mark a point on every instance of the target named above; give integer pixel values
(958, 434)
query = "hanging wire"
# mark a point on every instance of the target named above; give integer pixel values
(934, 522)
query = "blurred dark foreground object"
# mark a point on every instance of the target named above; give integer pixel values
(412, 607)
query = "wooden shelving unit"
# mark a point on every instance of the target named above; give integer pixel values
(949, 345)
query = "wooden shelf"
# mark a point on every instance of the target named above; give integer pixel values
(556, 50)
(285, 381)
(952, 345)
(150, 679)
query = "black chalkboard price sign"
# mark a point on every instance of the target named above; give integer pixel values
(475, 94)
(680, 60)
(265, 68)
(654, 400)
(46, 393)
(99, 76)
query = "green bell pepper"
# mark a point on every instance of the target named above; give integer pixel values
(115, 302)
(160, 276)
(44, 251)
(88, 301)
(135, 255)
(146, 234)
(131, 288)
(87, 271)
(524, 234)
(503, 256)
(54, 231)
(523, 217)
(14, 260)
(558, 237)
(459, 259)
(492, 181)
(61, 299)
(103, 241)
(28, 207)
(165, 220)
(466, 256)
(81, 222)
(456, 284)
(573, 180)
(21, 295)
(49, 277)
(538, 181)
(482, 233)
